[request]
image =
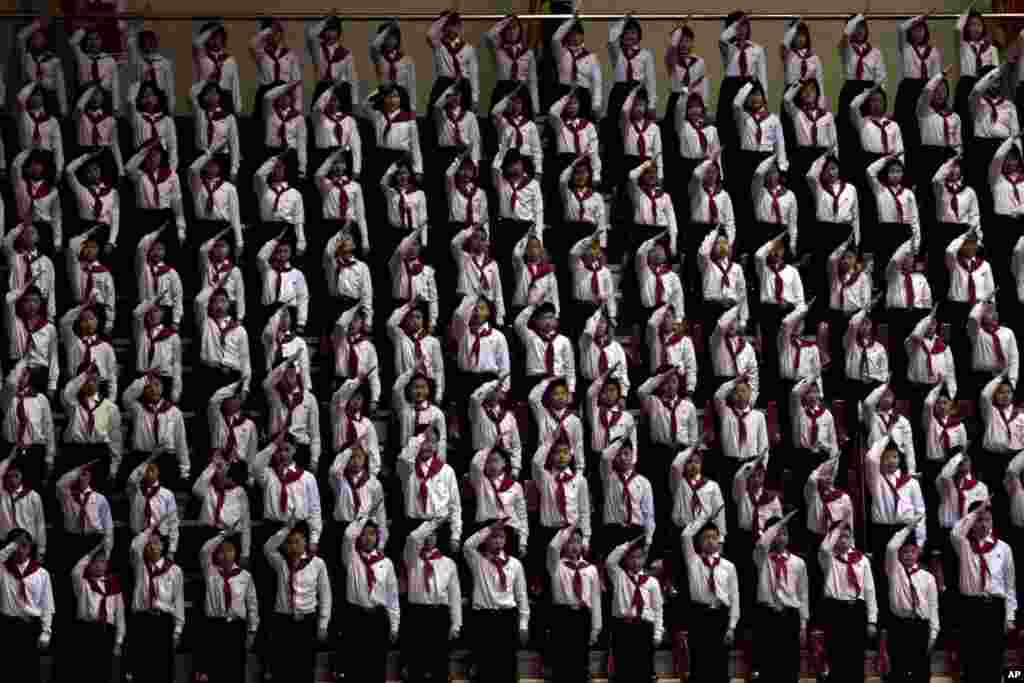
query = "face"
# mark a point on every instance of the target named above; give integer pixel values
(153, 392)
(153, 160)
(876, 105)
(756, 479)
(974, 29)
(741, 394)
(38, 41)
(1011, 164)
(12, 479)
(368, 539)
(983, 525)
(860, 34)
(547, 323)
(573, 547)
(97, 568)
(630, 37)
(574, 39)
(812, 396)
(624, 460)
(392, 101)
(93, 174)
(218, 306)
(943, 407)
(96, 101)
(420, 390)
(87, 323)
(149, 99)
(781, 540)
(534, 250)
(710, 541)
(830, 173)
(560, 396)
(918, 32)
(894, 175)
(886, 401)
(216, 41)
(561, 455)
(295, 546)
(939, 96)
(282, 253)
(572, 107)
(346, 247)
(496, 541)
(711, 176)
(277, 173)
(228, 554)
(890, 461)
(513, 32)
(31, 304)
(964, 469)
(844, 541)
(153, 551)
(685, 44)
(969, 249)
(694, 466)
(809, 96)
(694, 112)
(743, 29)
(515, 106)
(494, 465)
(414, 321)
(151, 474)
(211, 98)
(610, 396)
(670, 387)
(634, 560)
(755, 101)
(284, 455)
(483, 312)
(403, 176)
(1003, 396)
(453, 30)
(802, 40)
(231, 405)
(581, 176)
(391, 42)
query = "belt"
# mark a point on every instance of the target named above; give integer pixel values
(910, 620)
(494, 610)
(985, 598)
(572, 608)
(845, 602)
(227, 620)
(366, 610)
(708, 608)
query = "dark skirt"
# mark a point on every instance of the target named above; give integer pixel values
(725, 119)
(152, 648)
(961, 106)
(849, 138)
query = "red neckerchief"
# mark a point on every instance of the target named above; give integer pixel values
(813, 414)
(219, 272)
(332, 57)
(40, 191)
(31, 568)
(581, 198)
(549, 339)
(685, 62)
(154, 572)
(225, 577)
(1007, 420)
(954, 189)
(278, 191)
(293, 571)
(455, 120)
(827, 498)
(38, 119)
(514, 188)
(468, 191)
(696, 484)
(804, 55)
(577, 568)
(96, 117)
(780, 567)
(629, 54)
(284, 479)
(212, 116)
(221, 492)
(758, 117)
(155, 410)
(453, 47)
(742, 61)
(936, 348)
(561, 499)
(151, 120)
(392, 57)
(576, 126)
(104, 588)
(506, 483)
(799, 344)
(979, 48)
(539, 270)
(758, 501)
(627, 495)
(963, 485)
(577, 55)
(98, 192)
(481, 269)
(881, 122)
(428, 557)
(155, 338)
(340, 182)
(981, 549)
(896, 193)
(922, 56)
(659, 285)
(641, 142)
(499, 563)
(211, 187)
(424, 475)
(894, 487)
(81, 499)
(609, 417)
(850, 559)
(514, 51)
(353, 341)
(218, 59)
(865, 364)
(997, 346)
(369, 560)
(813, 114)
(862, 52)
(276, 54)
(915, 599)
(155, 179)
(849, 280)
(637, 602)
(711, 563)
(90, 414)
(517, 123)
(947, 425)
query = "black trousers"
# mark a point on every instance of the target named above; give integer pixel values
(152, 647)
(92, 651)
(777, 644)
(425, 641)
(633, 650)
(983, 643)
(365, 642)
(21, 646)
(569, 649)
(846, 639)
(495, 644)
(223, 654)
(709, 656)
(293, 647)
(909, 659)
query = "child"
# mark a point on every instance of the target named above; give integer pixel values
(756, 508)
(231, 608)
(1003, 436)
(500, 605)
(493, 473)
(743, 431)
(21, 507)
(152, 119)
(715, 594)
(351, 423)
(879, 135)
(866, 360)
(775, 205)
(430, 488)
(158, 282)
(28, 267)
(628, 496)
(520, 200)
(850, 285)
(759, 133)
(494, 428)
(392, 65)
(456, 126)
(671, 417)
(294, 410)
(710, 204)
(276, 63)
(281, 282)
(355, 356)
(836, 203)
(576, 135)
(693, 493)
(372, 602)
(216, 129)
(956, 206)
(548, 353)
(958, 490)
(941, 130)
(434, 612)
(607, 417)
(219, 272)
(211, 62)
(348, 281)
(414, 402)
(896, 207)
(454, 58)
(334, 63)
(406, 206)
(781, 287)
(633, 67)
(148, 500)
(466, 207)
(743, 62)
(93, 66)
(37, 195)
(413, 340)
(601, 353)
(637, 608)
(578, 68)
(657, 283)
(880, 418)
(357, 491)
(302, 608)
(513, 120)
(576, 596)
(783, 604)
(731, 354)
(564, 493)
(550, 402)
(280, 203)
(914, 601)
(231, 432)
(826, 504)
(157, 189)
(157, 345)
(800, 62)
(336, 136)
(989, 596)
(536, 278)
(929, 358)
(27, 604)
(290, 494)
(976, 52)
(99, 630)
(158, 427)
(993, 346)
(919, 61)
(93, 419)
(158, 607)
(515, 61)
(40, 66)
(86, 511)
(584, 210)
(477, 273)
(97, 199)
(284, 125)
(813, 432)
(343, 200)
(224, 506)
(687, 71)
(27, 427)
(849, 602)
(148, 66)
(814, 129)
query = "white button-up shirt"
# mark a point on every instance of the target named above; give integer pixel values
(998, 579)
(627, 587)
(499, 582)
(29, 596)
(713, 581)
(236, 581)
(437, 585)
(839, 584)
(303, 587)
(159, 586)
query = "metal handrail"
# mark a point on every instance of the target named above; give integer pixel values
(356, 16)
